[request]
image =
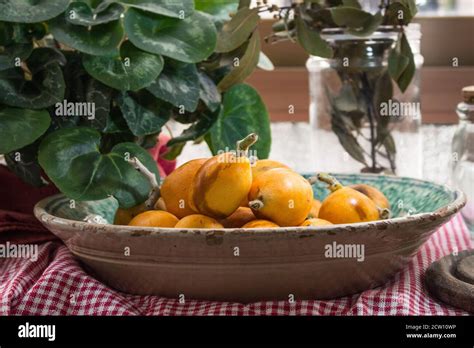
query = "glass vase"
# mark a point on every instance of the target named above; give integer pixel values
(360, 120)
(462, 164)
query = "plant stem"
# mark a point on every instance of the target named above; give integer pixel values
(388, 155)
(256, 204)
(155, 188)
(333, 183)
(392, 162)
(367, 92)
(244, 144)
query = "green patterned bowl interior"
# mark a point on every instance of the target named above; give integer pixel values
(407, 196)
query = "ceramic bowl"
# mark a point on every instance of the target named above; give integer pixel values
(255, 264)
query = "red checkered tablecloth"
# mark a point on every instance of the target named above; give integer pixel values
(56, 284)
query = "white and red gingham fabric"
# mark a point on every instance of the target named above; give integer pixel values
(56, 284)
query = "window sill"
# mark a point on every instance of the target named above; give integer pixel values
(286, 89)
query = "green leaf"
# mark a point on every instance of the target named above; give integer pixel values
(347, 100)
(24, 164)
(219, 9)
(400, 12)
(147, 141)
(8, 58)
(6, 33)
(190, 40)
(369, 26)
(175, 9)
(100, 96)
(143, 113)
(133, 70)
(72, 159)
(235, 32)
(383, 92)
(219, 73)
(245, 66)
(79, 13)
(27, 11)
(184, 117)
(21, 127)
(178, 84)
(401, 63)
(279, 26)
(242, 113)
(265, 63)
(228, 59)
(411, 5)
(350, 17)
(43, 57)
(346, 138)
(74, 71)
(174, 151)
(351, 3)
(397, 63)
(100, 40)
(311, 40)
(116, 123)
(208, 92)
(25, 33)
(11, 33)
(197, 130)
(44, 89)
(389, 144)
(244, 3)
(407, 75)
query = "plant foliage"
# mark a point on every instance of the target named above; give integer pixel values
(363, 87)
(140, 63)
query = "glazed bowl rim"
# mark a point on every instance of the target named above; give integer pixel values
(450, 209)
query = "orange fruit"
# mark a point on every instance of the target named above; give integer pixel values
(315, 222)
(175, 188)
(263, 165)
(315, 206)
(378, 197)
(260, 223)
(124, 216)
(259, 167)
(238, 218)
(198, 221)
(346, 205)
(154, 218)
(223, 181)
(282, 196)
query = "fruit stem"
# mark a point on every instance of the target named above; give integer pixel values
(333, 183)
(244, 144)
(155, 193)
(256, 204)
(384, 213)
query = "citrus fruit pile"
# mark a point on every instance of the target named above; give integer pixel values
(230, 190)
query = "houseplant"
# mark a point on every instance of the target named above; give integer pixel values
(87, 84)
(365, 68)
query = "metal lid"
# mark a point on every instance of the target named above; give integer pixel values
(468, 94)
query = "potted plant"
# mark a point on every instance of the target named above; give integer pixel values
(85, 85)
(361, 70)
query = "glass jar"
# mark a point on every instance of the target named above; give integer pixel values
(463, 154)
(353, 103)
